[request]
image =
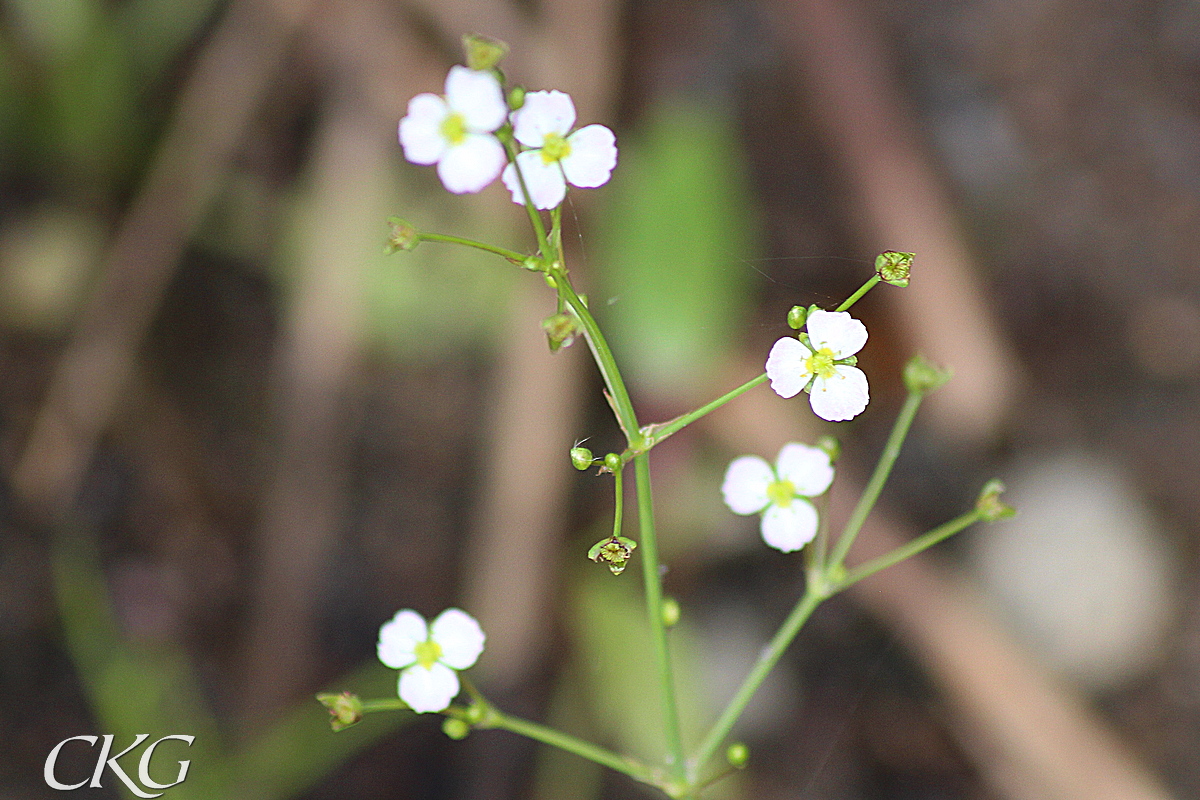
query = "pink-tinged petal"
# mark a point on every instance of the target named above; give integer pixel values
(547, 187)
(421, 130)
(745, 485)
(841, 396)
(786, 367)
(808, 468)
(399, 637)
(472, 164)
(478, 97)
(459, 636)
(593, 156)
(543, 113)
(428, 689)
(837, 330)
(789, 528)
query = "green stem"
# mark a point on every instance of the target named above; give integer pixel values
(921, 543)
(655, 433)
(511, 255)
(854, 298)
(386, 704)
(766, 662)
(878, 478)
(535, 219)
(652, 579)
(618, 506)
(540, 733)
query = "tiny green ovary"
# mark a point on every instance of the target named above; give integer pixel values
(454, 128)
(781, 493)
(821, 363)
(555, 148)
(428, 653)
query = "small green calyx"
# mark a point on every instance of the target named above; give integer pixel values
(428, 653)
(922, 376)
(781, 493)
(831, 446)
(797, 316)
(516, 98)
(614, 551)
(821, 363)
(670, 611)
(456, 729)
(893, 267)
(402, 237)
(582, 458)
(454, 128)
(737, 755)
(345, 709)
(561, 330)
(989, 506)
(482, 52)
(612, 462)
(555, 148)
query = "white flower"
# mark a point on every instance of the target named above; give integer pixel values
(789, 520)
(456, 132)
(837, 391)
(429, 654)
(584, 158)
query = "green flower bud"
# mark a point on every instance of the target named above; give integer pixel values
(402, 237)
(516, 97)
(670, 611)
(612, 462)
(346, 709)
(989, 505)
(475, 713)
(561, 330)
(893, 267)
(582, 458)
(737, 755)
(614, 551)
(455, 728)
(482, 52)
(831, 446)
(796, 317)
(922, 376)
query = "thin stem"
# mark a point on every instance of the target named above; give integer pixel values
(766, 662)
(535, 219)
(878, 478)
(854, 298)
(386, 704)
(511, 255)
(655, 433)
(652, 579)
(921, 543)
(540, 733)
(618, 505)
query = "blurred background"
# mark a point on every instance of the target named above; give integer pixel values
(235, 437)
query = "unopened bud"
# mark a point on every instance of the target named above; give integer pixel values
(345, 709)
(670, 611)
(516, 98)
(737, 755)
(797, 316)
(455, 728)
(482, 52)
(612, 462)
(831, 446)
(894, 267)
(989, 505)
(402, 237)
(922, 376)
(582, 458)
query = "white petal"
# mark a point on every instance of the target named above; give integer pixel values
(472, 164)
(421, 130)
(593, 156)
(745, 485)
(428, 689)
(459, 636)
(543, 113)
(546, 184)
(478, 97)
(808, 468)
(838, 331)
(790, 528)
(399, 637)
(786, 367)
(840, 397)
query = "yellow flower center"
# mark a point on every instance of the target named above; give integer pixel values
(781, 493)
(454, 128)
(555, 148)
(428, 653)
(821, 362)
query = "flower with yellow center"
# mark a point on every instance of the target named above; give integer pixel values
(556, 156)
(822, 366)
(455, 132)
(428, 655)
(780, 493)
